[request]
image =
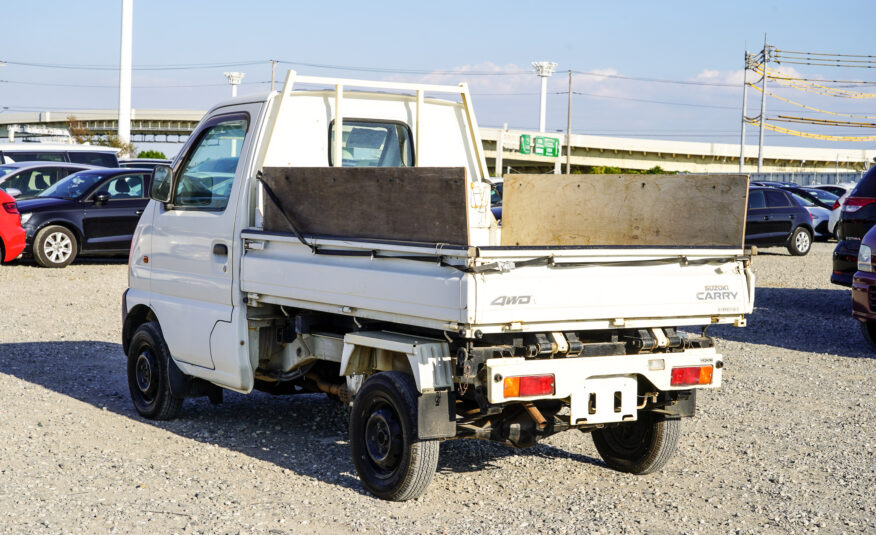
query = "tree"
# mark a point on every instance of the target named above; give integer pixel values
(80, 134)
(152, 154)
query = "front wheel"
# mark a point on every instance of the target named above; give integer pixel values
(54, 247)
(391, 461)
(148, 379)
(800, 242)
(639, 447)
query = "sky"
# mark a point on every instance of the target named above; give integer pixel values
(63, 55)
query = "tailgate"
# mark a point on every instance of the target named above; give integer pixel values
(596, 289)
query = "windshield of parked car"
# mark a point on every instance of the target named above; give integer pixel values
(73, 186)
(823, 196)
(802, 200)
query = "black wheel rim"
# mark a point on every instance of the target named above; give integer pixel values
(630, 439)
(146, 375)
(384, 442)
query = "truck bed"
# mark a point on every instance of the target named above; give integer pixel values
(499, 289)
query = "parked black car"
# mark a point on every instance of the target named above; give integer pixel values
(776, 218)
(857, 217)
(89, 212)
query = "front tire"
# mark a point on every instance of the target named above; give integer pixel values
(800, 242)
(391, 461)
(54, 247)
(148, 379)
(639, 447)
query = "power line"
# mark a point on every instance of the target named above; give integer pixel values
(115, 86)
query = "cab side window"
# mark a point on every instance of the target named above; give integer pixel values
(206, 177)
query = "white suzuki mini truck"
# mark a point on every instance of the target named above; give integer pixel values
(337, 237)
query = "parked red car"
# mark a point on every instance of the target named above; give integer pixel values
(11, 234)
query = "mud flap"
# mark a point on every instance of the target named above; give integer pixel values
(436, 416)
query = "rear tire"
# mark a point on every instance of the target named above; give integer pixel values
(148, 379)
(800, 242)
(391, 461)
(639, 447)
(54, 247)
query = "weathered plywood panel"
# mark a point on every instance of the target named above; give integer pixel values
(419, 204)
(659, 210)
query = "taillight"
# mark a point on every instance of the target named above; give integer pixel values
(853, 204)
(529, 385)
(693, 375)
(836, 205)
(10, 207)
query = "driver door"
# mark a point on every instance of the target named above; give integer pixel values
(192, 243)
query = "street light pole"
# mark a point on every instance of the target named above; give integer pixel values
(234, 79)
(124, 131)
(543, 69)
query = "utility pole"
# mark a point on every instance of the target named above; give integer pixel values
(744, 107)
(543, 69)
(124, 130)
(766, 59)
(569, 129)
(234, 79)
(273, 72)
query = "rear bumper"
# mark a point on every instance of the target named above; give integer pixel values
(601, 389)
(864, 296)
(13, 243)
(845, 262)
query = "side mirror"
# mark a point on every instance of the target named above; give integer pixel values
(101, 199)
(162, 180)
(14, 192)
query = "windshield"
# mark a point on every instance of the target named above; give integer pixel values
(802, 200)
(73, 186)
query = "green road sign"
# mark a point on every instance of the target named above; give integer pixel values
(547, 146)
(525, 144)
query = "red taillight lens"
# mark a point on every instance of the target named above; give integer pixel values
(836, 205)
(530, 385)
(10, 207)
(853, 204)
(693, 375)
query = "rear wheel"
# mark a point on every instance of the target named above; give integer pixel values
(54, 247)
(148, 379)
(391, 461)
(639, 447)
(800, 242)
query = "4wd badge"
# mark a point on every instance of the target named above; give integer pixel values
(505, 300)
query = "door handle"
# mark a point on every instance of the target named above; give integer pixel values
(138, 212)
(220, 249)
(790, 217)
(766, 218)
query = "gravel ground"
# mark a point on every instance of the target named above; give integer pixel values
(786, 446)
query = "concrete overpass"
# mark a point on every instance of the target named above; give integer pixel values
(159, 125)
(146, 125)
(680, 156)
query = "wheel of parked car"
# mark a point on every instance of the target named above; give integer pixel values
(54, 247)
(391, 461)
(148, 379)
(639, 447)
(800, 242)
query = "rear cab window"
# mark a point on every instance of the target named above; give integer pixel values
(369, 143)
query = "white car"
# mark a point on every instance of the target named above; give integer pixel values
(837, 189)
